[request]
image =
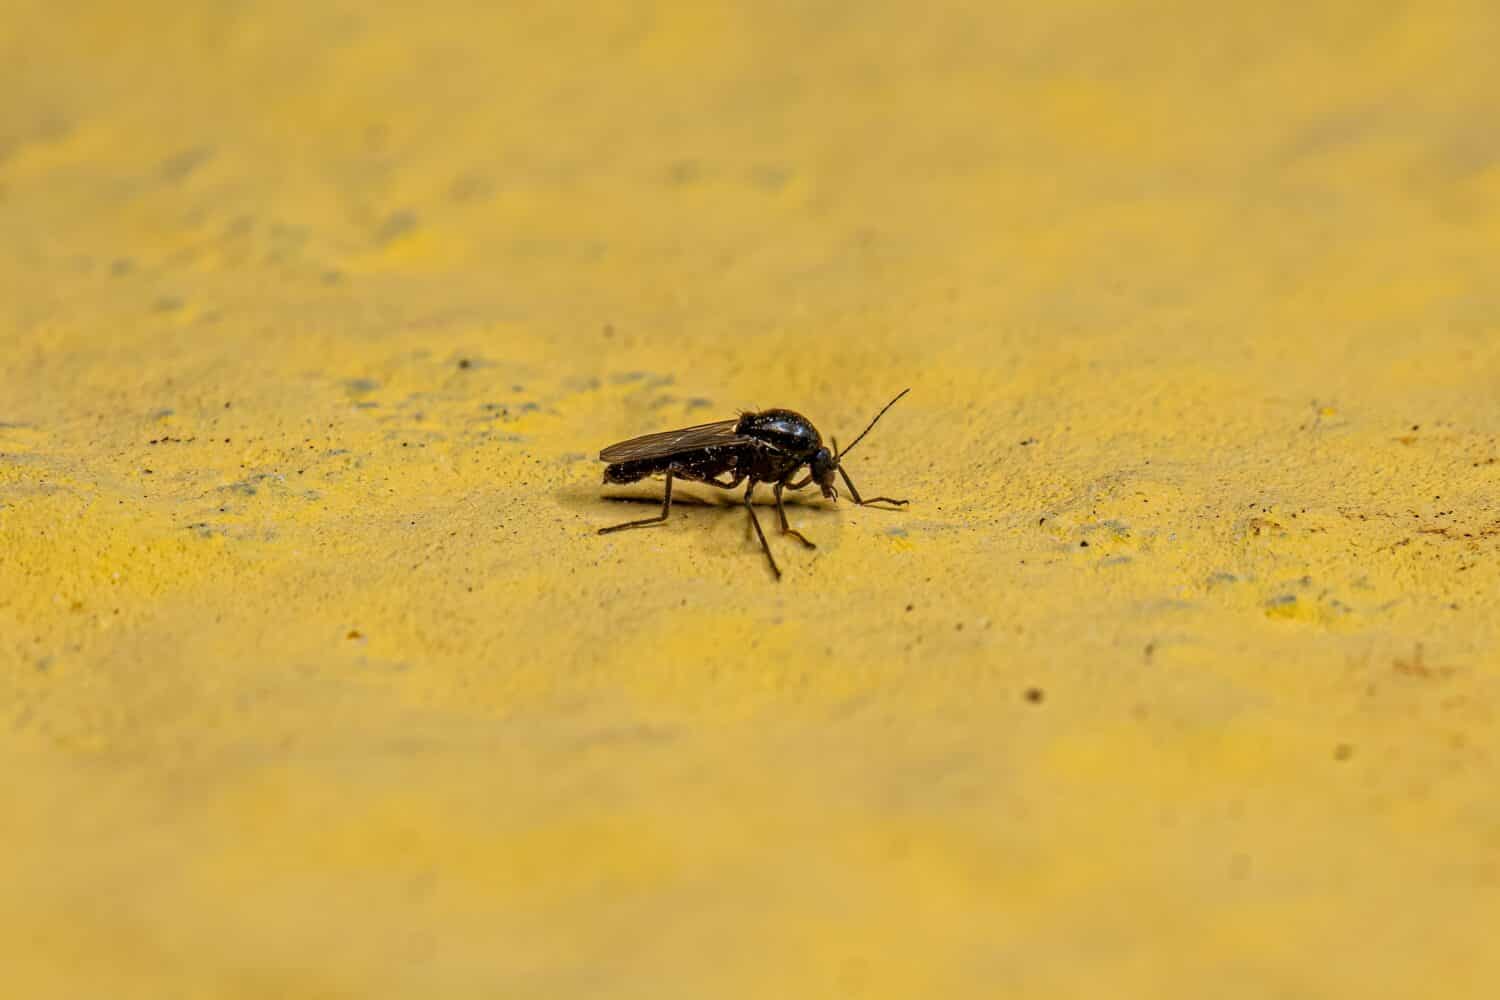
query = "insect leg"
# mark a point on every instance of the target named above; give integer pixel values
(749, 495)
(666, 508)
(873, 500)
(787, 529)
(800, 483)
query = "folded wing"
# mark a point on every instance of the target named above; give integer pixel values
(716, 434)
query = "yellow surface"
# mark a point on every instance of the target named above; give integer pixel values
(315, 679)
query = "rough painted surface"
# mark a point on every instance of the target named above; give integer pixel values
(1179, 677)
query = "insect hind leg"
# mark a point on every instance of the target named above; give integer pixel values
(666, 508)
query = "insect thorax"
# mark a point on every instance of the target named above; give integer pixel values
(782, 429)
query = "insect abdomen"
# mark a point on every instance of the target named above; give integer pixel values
(630, 472)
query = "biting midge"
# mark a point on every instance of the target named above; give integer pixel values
(769, 446)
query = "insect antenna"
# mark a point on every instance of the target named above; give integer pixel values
(839, 455)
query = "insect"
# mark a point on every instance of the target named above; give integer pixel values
(768, 446)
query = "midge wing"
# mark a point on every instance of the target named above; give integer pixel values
(720, 432)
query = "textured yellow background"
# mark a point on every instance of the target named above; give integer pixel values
(316, 681)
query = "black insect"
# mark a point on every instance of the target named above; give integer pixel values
(764, 447)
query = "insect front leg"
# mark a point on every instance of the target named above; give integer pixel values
(749, 509)
(873, 500)
(787, 529)
(666, 508)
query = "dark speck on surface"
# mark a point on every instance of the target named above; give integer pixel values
(1035, 695)
(181, 166)
(1083, 544)
(684, 172)
(770, 176)
(470, 186)
(395, 226)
